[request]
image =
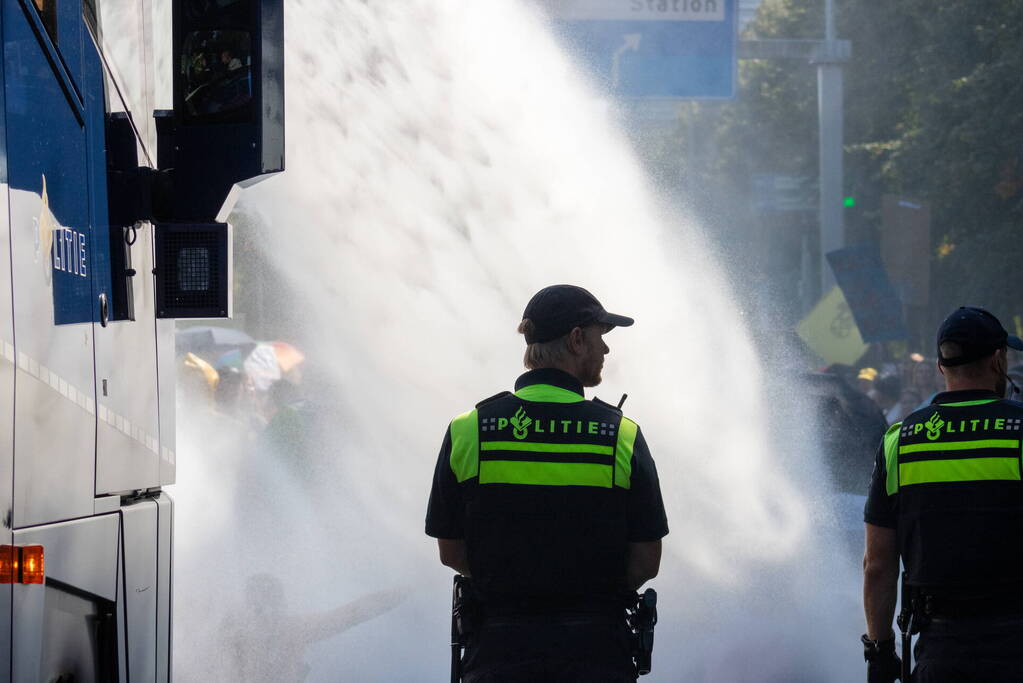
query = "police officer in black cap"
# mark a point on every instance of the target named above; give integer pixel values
(946, 497)
(551, 504)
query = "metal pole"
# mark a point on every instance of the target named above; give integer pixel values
(829, 101)
(829, 109)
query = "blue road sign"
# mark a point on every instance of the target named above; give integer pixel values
(677, 49)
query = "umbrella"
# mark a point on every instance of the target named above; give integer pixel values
(262, 367)
(287, 355)
(235, 358)
(211, 341)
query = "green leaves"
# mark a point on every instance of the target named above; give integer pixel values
(933, 111)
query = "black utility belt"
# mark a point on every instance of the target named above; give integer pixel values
(946, 607)
(559, 619)
(511, 613)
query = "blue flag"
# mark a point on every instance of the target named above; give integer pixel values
(873, 300)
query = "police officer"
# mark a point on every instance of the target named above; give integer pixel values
(946, 496)
(551, 504)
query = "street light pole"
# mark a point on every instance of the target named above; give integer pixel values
(829, 108)
(828, 55)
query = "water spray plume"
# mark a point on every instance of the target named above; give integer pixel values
(445, 161)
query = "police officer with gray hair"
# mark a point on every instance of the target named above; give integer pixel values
(551, 504)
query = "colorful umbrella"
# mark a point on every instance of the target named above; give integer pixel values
(287, 355)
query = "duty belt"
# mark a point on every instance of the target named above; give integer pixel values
(947, 607)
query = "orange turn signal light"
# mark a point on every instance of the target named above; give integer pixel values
(22, 564)
(10, 563)
(32, 564)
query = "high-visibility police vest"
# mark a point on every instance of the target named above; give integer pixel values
(545, 476)
(956, 470)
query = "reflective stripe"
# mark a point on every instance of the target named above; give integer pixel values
(545, 473)
(465, 446)
(548, 393)
(979, 444)
(891, 458)
(979, 402)
(967, 469)
(627, 431)
(545, 447)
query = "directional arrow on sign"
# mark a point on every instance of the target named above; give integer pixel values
(631, 44)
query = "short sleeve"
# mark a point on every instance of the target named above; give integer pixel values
(647, 519)
(880, 509)
(445, 512)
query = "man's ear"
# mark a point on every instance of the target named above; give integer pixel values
(999, 362)
(576, 342)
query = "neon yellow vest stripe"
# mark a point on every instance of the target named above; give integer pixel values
(942, 469)
(466, 448)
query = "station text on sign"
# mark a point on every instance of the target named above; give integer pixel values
(674, 6)
(639, 10)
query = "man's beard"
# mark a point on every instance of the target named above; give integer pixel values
(592, 376)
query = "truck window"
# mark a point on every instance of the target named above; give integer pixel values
(216, 68)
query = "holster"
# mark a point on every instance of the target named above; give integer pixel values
(464, 611)
(640, 618)
(913, 616)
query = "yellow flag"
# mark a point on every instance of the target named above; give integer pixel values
(831, 331)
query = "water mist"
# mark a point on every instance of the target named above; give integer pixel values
(446, 159)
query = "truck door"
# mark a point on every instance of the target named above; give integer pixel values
(128, 424)
(52, 256)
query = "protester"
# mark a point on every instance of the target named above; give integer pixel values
(848, 426)
(865, 380)
(887, 390)
(909, 400)
(263, 640)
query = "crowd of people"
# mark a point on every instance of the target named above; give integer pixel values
(855, 405)
(257, 386)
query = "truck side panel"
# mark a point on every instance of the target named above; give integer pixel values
(51, 238)
(128, 436)
(141, 588)
(81, 586)
(164, 581)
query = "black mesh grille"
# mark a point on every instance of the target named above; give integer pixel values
(191, 270)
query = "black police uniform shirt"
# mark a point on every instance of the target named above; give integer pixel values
(547, 489)
(947, 479)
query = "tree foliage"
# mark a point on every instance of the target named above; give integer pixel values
(933, 109)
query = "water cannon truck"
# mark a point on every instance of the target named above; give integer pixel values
(126, 129)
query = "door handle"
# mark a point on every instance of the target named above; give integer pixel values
(104, 313)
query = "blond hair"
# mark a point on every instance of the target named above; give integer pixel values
(547, 354)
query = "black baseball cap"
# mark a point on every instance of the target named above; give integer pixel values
(556, 310)
(977, 332)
